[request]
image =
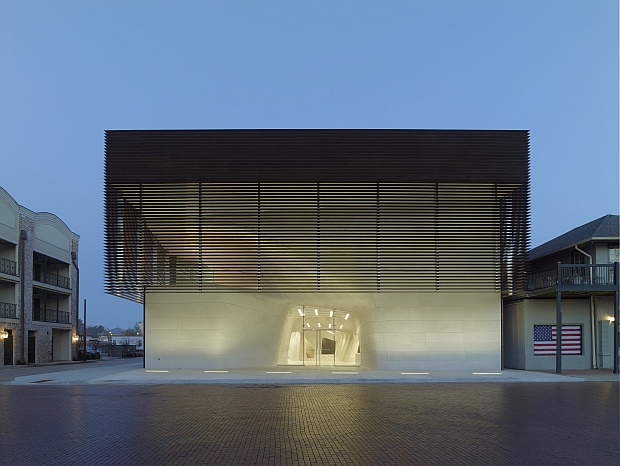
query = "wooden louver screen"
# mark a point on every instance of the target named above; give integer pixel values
(275, 235)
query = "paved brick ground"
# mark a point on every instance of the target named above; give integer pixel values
(522, 423)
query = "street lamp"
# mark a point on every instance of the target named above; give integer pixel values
(77, 301)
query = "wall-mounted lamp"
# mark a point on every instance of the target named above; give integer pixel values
(4, 334)
(76, 338)
(611, 319)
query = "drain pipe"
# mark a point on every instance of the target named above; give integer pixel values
(592, 317)
(23, 236)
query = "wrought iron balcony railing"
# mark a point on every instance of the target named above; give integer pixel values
(53, 279)
(8, 266)
(50, 315)
(575, 277)
(8, 310)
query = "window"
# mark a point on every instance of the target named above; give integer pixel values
(614, 255)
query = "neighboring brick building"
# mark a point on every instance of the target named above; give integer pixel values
(38, 285)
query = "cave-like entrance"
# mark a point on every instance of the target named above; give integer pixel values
(316, 336)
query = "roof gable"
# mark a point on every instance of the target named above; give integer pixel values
(604, 227)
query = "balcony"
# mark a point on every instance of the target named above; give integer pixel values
(8, 310)
(8, 266)
(53, 279)
(576, 277)
(50, 315)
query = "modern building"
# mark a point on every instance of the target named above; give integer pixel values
(38, 285)
(389, 249)
(580, 268)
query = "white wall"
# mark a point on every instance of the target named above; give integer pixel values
(212, 330)
(9, 212)
(397, 331)
(61, 345)
(433, 331)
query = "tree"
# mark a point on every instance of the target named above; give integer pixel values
(95, 329)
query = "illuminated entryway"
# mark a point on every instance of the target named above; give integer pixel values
(315, 336)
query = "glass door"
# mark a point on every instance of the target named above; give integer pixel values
(319, 347)
(310, 348)
(314, 336)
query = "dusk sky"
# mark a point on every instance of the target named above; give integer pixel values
(69, 70)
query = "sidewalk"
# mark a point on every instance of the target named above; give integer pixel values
(109, 372)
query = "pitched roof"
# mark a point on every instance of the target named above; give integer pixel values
(604, 227)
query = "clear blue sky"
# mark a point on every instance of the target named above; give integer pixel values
(71, 69)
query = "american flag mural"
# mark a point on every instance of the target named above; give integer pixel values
(545, 339)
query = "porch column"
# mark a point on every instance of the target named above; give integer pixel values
(558, 326)
(616, 312)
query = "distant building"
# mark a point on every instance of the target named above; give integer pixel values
(586, 278)
(389, 249)
(38, 285)
(118, 336)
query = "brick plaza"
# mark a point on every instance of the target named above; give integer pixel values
(357, 424)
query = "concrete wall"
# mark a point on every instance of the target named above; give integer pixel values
(397, 331)
(514, 335)
(9, 215)
(52, 237)
(520, 318)
(543, 311)
(212, 330)
(604, 311)
(61, 341)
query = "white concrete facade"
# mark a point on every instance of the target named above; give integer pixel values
(396, 331)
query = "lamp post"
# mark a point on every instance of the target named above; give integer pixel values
(77, 298)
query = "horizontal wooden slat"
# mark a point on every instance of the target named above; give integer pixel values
(328, 235)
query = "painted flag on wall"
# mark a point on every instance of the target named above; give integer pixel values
(545, 339)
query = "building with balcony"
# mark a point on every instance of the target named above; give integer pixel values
(580, 268)
(388, 249)
(38, 285)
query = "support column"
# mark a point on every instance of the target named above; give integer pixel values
(616, 314)
(558, 327)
